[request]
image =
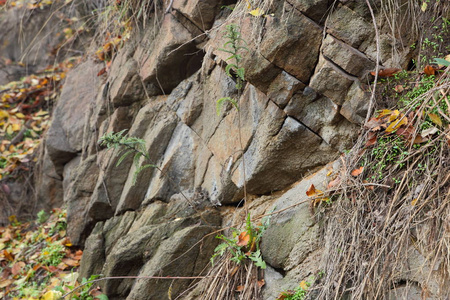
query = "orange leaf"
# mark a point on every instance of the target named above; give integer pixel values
(371, 139)
(261, 283)
(358, 171)
(240, 288)
(101, 72)
(389, 72)
(311, 191)
(17, 268)
(429, 70)
(243, 239)
(334, 183)
(71, 262)
(399, 88)
(8, 255)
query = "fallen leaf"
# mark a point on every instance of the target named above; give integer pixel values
(371, 139)
(357, 172)
(257, 12)
(399, 88)
(101, 72)
(429, 70)
(374, 124)
(424, 6)
(304, 285)
(334, 183)
(429, 131)
(71, 262)
(240, 288)
(368, 187)
(397, 123)
(311, 191)
(420, 140)
(413, 203)
(261, 283)
(17, 268)
(5, 283)
(435, 118)
(389, 72)
(243, 239)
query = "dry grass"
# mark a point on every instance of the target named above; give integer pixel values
(377, 239)
(230, 281)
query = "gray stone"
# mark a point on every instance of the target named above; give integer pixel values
(160, 124)
(65, 135)
(169, 59)
(347, 26)
(126, 86)
(277, 133)
(330, 81)
(200, 12)
(349, 59)
(292, 43)
(282, 88)
(314, 9)
(356, 105)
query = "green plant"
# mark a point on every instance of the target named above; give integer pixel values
(42, 216)
(52, 254)
(233, 70)
(81, 291)
(299, 293)
(244, 244)
(131, 145)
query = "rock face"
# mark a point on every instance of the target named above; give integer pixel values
(301, 106)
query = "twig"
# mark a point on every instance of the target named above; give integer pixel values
(377, 67)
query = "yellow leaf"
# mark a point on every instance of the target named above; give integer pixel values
(256, 12)
(424, 6)
(3, 114)
(396, 124)
(52, 295)
(413, 203)
(20, 115)
(435, 118)
(16, 127)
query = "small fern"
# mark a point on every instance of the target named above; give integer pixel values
(131, 145)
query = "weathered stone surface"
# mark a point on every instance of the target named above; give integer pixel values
(356, 104)
(172, 249)
(94, 253)
(200, 12)
(77, 196)
(292, 43)
(187, 99)
(347, 26)
(147, 243)
(126, 86)
(111, 181)
(28, 35)
(245, 121)
(330, 81)
(278, 133)
(160, 124)
(170, 58)
(177, 166)
(282, 88)
(65, 135)
(300, 235)
(314, 9)
(349, 59)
